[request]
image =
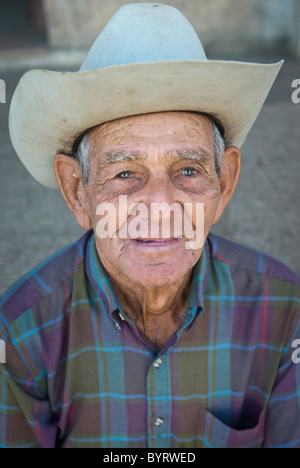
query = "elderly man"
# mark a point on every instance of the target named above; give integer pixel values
(141, 340)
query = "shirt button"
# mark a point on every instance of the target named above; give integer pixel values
(158, 421)
(157, 363)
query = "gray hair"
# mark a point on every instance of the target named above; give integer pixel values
(219, 148)
(83, 153)
(82, 156)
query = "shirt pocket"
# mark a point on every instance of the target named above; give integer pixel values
(219, 435)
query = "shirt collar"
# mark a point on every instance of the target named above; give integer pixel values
(99, 279)
(195, 304)
(105, 291)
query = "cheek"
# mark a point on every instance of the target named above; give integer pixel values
(98, 201)
(109, 251)
(210, 208)
(210, 201)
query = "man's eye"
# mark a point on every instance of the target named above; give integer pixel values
(124, 175)
(189, 171)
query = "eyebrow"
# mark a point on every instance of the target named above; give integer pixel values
(190, 155)
(112, 157)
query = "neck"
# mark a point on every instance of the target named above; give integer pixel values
(156, 311)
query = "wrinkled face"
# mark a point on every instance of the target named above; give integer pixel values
(152, 159)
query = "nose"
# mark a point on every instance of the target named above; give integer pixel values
(162, 212)
(158, 189)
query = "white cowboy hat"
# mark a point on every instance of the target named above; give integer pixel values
(147, 59)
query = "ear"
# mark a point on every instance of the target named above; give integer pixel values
(231, 166)
(69, 178)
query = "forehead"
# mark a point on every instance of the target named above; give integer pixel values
(169, 130)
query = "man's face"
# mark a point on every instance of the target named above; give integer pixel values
(153, 158)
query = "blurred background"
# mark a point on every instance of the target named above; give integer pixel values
(56, 34)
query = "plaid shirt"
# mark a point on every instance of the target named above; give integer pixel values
(78, 373)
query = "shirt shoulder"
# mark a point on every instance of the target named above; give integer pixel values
(255, 262)
(43, 281)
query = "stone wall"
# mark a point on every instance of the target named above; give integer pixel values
(226, 27)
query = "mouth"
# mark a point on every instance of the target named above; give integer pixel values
(156, 242)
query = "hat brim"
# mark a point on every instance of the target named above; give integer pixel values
(50, 109)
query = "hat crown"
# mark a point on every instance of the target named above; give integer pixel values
(144, 32)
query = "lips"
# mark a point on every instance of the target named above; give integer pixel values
(153, 240)
(156, 242)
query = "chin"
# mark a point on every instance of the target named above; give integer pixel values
(156, 276)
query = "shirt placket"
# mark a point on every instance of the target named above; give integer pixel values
(159, 403)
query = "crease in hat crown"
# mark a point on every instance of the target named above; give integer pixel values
(144, 32)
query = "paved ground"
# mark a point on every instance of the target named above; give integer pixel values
(264, 212)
